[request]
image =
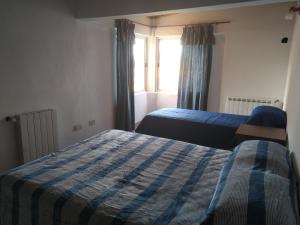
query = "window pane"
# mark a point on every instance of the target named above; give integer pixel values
(169, 64)
(139, 64)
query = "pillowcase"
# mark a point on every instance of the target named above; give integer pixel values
(268, 116)
(252, 191)
(270, 157)
(253, 198)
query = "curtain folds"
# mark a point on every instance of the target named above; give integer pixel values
(125, 75)
(195, 67)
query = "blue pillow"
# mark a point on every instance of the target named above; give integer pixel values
(268, 116)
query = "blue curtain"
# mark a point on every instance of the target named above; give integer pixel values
(125, 75)
(195, 66)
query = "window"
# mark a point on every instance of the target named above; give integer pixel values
(139, 52)
(169, 53)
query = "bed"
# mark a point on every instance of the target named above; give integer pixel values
(119, 177)
(211, 129)
(199, 127)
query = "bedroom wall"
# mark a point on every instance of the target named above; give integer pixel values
(249, 59)
(50, 60)
(140, 105)
(292, 96)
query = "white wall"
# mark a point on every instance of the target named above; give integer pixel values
(151, 101)
(255, 62)
(292, 96)
(249, 60)
(50, 60)
(166, 100)
(140, 105)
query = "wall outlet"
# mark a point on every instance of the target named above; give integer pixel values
(92, 123)
(77, 127)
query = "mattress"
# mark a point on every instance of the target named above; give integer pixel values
(199, 127)
(115, 177)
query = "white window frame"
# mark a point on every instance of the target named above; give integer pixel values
(157, 75)
(145, 37)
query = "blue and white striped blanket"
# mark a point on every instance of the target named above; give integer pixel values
(119, 177)
(114, 178)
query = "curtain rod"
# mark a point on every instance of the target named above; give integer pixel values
(180, 25)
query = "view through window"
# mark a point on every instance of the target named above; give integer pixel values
(139, 50)
(169, 64)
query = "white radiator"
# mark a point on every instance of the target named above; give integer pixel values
(37, 134)
(244, 106)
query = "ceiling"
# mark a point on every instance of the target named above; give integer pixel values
(96, 8)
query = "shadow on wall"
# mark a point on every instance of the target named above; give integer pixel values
(8, 148)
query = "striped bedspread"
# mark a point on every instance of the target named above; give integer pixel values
(114, 178)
